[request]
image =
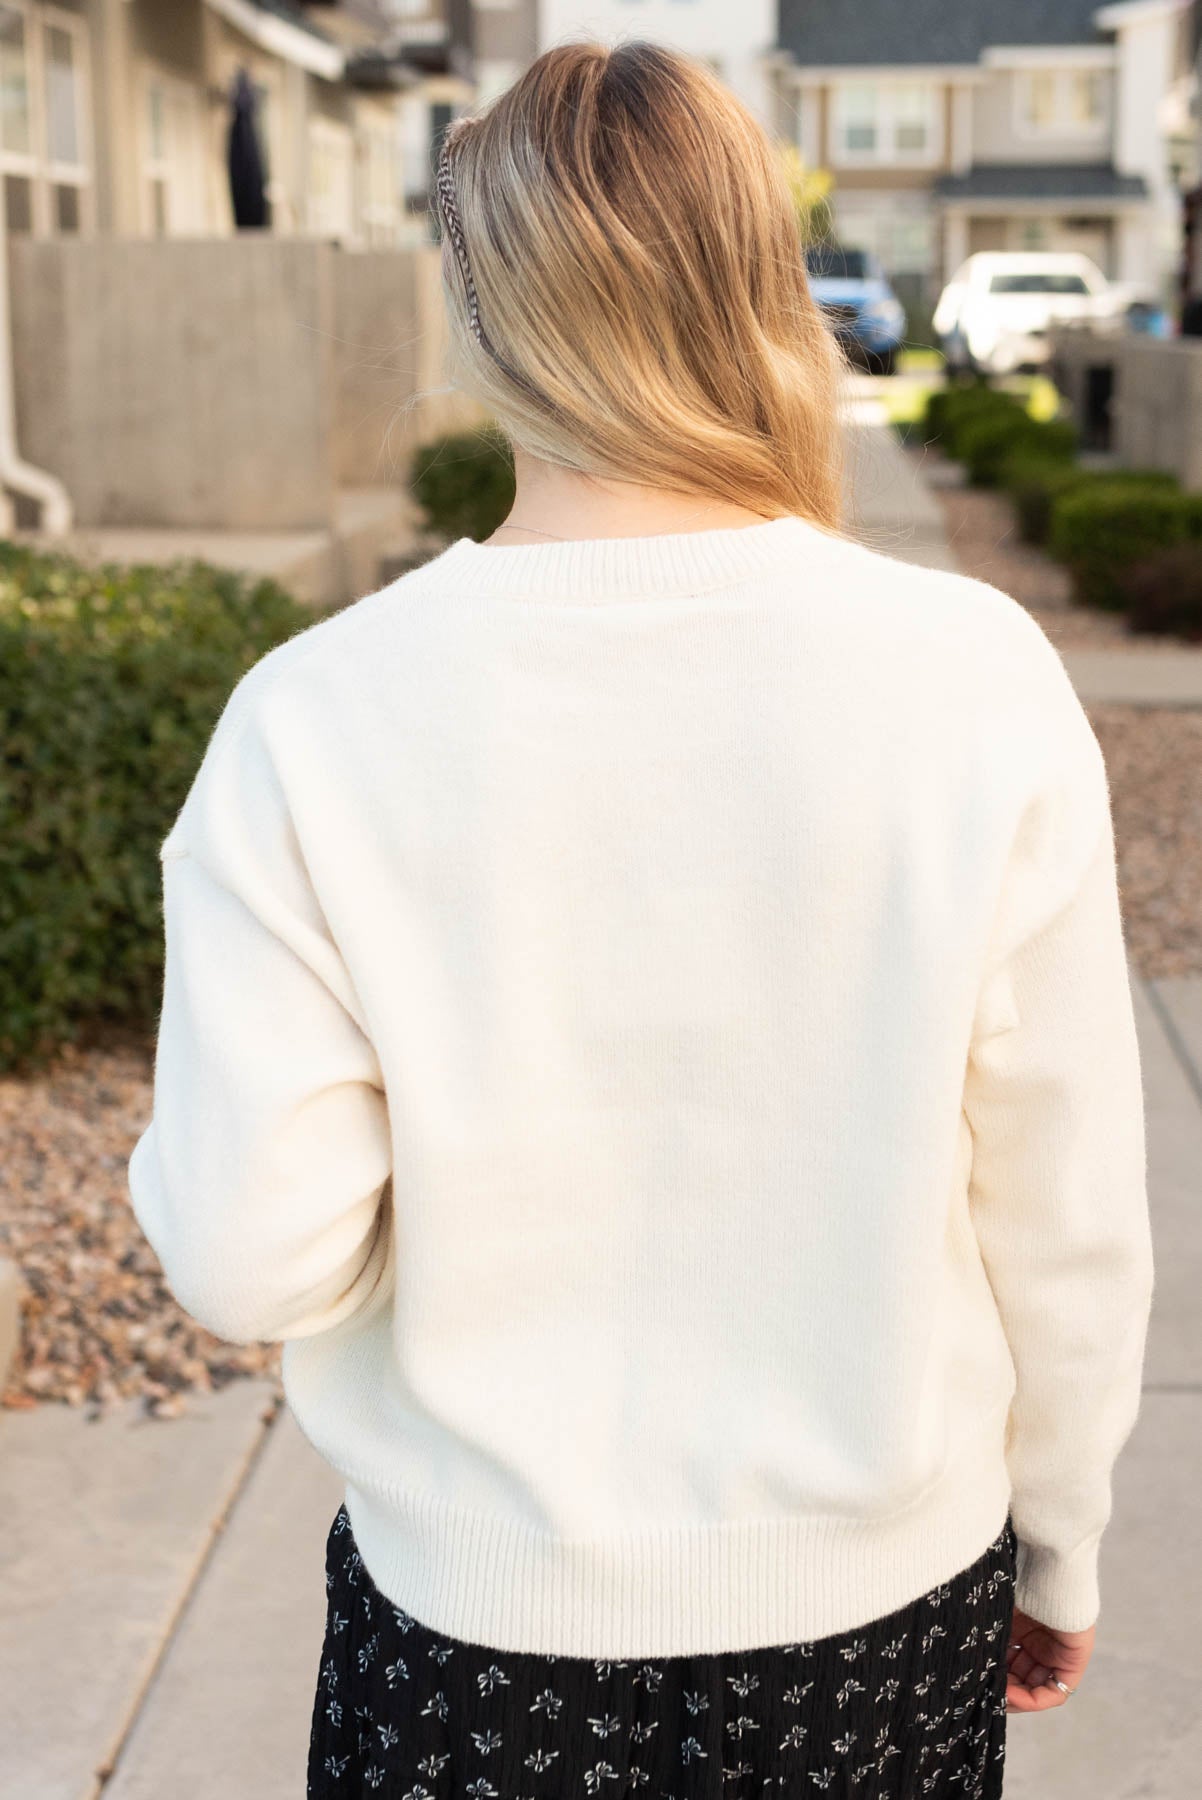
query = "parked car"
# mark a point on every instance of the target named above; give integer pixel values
(994, 314)
(864, 313)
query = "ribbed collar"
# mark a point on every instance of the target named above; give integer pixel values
(621, 568)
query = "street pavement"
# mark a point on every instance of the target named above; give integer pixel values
(162, 1592)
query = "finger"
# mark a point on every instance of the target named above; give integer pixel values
(1022, 1699)
(1022, 1666)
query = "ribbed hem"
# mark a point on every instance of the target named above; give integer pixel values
(1060, 1591)
(623, 568)
(677, 1590)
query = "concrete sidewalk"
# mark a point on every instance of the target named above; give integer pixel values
(163, 1582)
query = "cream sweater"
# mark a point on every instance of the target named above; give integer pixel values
(646, 1023)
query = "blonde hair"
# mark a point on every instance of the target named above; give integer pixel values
(627, 294)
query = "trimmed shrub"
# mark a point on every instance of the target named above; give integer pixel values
(1101, 529)
(111, 681)
(986, 444)
(1034, 483)
(1162, 593)
(463, 482)
(952, 409)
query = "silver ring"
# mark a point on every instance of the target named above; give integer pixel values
(1056, 1682)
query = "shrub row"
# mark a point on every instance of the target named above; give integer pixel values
(985, 427)
(1131, 539)
(1101, 531)
(111, 681)
(1035, 484)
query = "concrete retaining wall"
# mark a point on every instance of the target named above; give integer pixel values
(1156, 401)
(224, 383)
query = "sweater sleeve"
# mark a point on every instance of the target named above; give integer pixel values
(263, 1181)
(1054, 1100)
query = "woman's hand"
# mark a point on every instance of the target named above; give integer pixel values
(1037, 1656)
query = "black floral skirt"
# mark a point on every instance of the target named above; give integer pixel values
(908, 1705)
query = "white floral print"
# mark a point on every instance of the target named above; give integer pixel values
(909, 1705)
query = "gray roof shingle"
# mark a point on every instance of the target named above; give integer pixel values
(1041, 181)
(927, 31)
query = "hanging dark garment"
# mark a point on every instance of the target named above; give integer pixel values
(248, 176)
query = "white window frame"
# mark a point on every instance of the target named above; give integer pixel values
(885, 154)
(35, 165)
(377, 149)
(334, 135)
(1061, 74)
(151, 74)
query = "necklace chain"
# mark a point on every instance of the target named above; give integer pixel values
(563, 540)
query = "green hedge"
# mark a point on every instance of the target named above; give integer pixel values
(1101, 529)
(1035, 482)
(1162, 593)
(111, 680)
(463, 482)
(953, 409)
(987, 444)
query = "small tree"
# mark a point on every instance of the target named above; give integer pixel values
(811, 189)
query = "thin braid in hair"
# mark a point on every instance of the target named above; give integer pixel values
(450, 213)
(445, 188)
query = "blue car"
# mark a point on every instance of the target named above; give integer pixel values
(861, 308)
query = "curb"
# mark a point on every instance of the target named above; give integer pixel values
(12, 1289)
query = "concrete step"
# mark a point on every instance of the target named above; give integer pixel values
(321, 567)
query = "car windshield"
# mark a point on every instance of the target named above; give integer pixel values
(828, 260)
(1044, 282)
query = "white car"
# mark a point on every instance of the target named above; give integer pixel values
(993, 315)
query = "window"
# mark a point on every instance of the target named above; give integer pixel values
(895, 230)
(859, 118)
(44, 126)
(379, 153)
(331, 179)
(911, 107)
(886, 121)
(1062, 102)
(1048, 283)
(16, 134)
(172, 161)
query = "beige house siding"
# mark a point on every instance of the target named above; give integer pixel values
(883, 180)
(999, 134)
(157, 75)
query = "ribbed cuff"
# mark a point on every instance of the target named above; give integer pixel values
(1059, 1591)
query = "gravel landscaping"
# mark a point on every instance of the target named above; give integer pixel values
(99, 1322)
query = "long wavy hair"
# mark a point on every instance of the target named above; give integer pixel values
(625, 282)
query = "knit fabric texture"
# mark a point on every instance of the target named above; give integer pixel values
(646, 1025)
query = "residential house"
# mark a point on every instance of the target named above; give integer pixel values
(116, 113)
(1021, 124)
(226, 380)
